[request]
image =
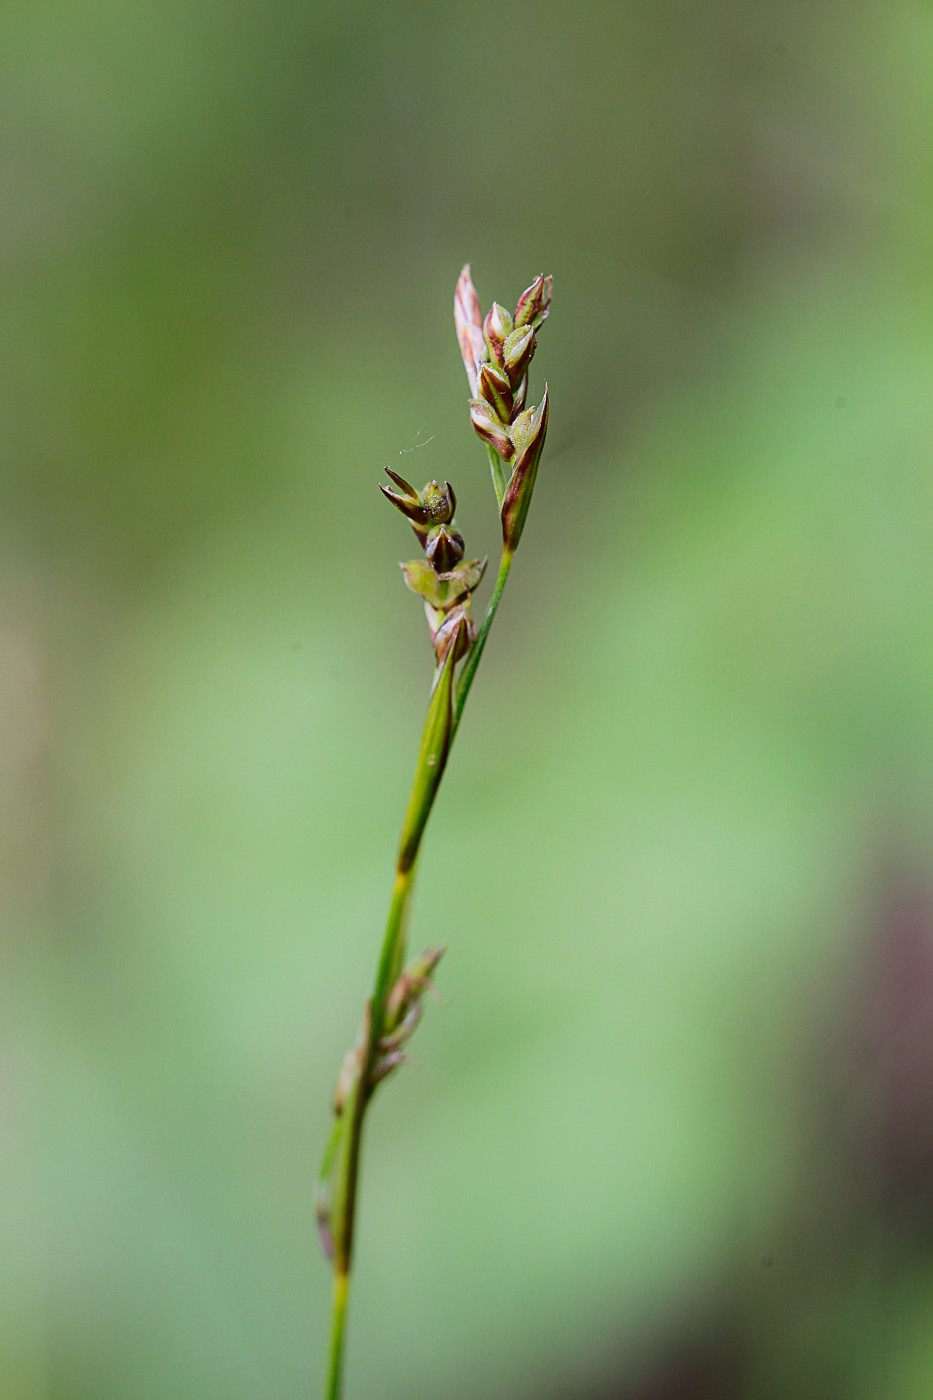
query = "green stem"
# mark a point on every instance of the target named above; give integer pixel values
(440, 728)
(497, 472)
(390, 962)
(337, 1334)
(476, 651)
(393, 947)
(344, 1159)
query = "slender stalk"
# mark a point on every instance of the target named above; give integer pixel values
(393, 945)
(391, 957)
(337, 1334)
(496, 353)
(497, 472)
(426, 781)
(476, 651)
(390, 962)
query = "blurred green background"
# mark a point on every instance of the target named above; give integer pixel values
(671, 1137)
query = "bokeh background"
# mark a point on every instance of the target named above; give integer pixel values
(671, 1135)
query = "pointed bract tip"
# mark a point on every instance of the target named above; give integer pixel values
(521, 485)
(468, 320)
(401, 483)
(408, 505)
(535, 302)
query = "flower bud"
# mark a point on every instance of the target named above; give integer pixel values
(432, 506)
(468, 319)
(422, 579)
(496, 327)
(517, 352)
(443, 548)
(490, 427)
(456, 634)
(522, 428)
(529, 430)
(464, 578)
(442, 590)
(411, 986)
(495, 388)
(439, 502)
(417, 974)
(405, 1027)
(384, 1065)
(534, 303)
(346, 1078)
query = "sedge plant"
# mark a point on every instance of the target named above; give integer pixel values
(497, 351)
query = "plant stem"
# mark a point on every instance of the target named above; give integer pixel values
(497, 472)
(441, 724)
(337, 1333)
(476, 651)
(393, 945)
(390, 960)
